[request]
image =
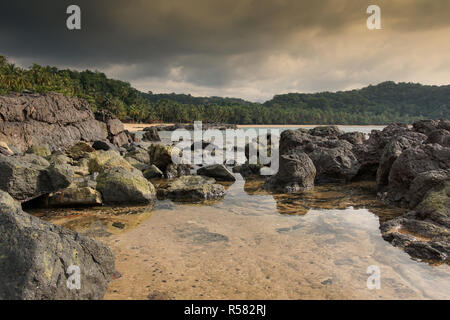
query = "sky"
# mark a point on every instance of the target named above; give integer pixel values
(250, 49)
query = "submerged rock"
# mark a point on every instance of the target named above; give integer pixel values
(192, 189)
(37, 259)
(248, 169)
(218, 172)
(121, 186)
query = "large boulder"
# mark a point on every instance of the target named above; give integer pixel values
(38, 259)
(100, 161)
(121, 186)
(409, 165)
(218, 172)
(333, 158)
(296, 173)
(369, 153)
(25, 180)
(47, 119)
(393, 150)
(192, 189)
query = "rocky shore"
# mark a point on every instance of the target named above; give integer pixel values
(410, 165)
(55, 152)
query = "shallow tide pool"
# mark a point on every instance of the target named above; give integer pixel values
(256, 245)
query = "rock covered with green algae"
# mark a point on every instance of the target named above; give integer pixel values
(35, 257)
(100, 161)
(121, 186)
(192, 189)
(424, 233)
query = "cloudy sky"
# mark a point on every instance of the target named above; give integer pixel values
(250, 49)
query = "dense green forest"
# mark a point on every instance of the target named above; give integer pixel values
(381, 104)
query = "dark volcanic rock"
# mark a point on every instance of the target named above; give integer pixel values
(393, 150)
(248, 169)
(369, 153)
(296, 173)
(24, 179)
(218, 172)
(353, 137)
(439, 136)
(425, 232)
(37, 259)
(326, 131)
(103, 145)
(333, 158)
(428, 126)
(424, 182)
(151, 134)
(47, 119)
(409, 165)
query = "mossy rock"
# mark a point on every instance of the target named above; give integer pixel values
(80, 150)
(40, 150)
(152, 172)
(100, 161)
(436, 206)
(75, 196)
(192, 189)
(121, 186)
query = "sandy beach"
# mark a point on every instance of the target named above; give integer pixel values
(133, 127)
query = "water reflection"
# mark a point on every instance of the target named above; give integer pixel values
(258, 245)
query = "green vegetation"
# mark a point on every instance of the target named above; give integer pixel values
(381, 104)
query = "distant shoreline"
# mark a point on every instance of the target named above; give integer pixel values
(133, 127)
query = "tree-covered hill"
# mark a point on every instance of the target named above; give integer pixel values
(381, 104)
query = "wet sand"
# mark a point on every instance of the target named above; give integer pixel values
(254, 245)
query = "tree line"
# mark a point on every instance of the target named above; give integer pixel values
(384, 103)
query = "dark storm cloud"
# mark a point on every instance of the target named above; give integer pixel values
(249, 48)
